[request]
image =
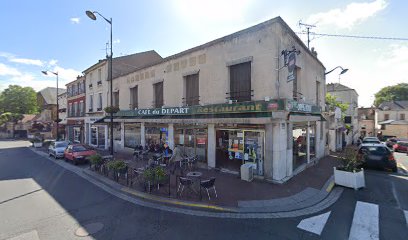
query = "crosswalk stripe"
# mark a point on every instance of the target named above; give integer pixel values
(365, 223)
(314, 224)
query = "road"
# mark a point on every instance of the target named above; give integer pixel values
(42, 200)
(402, 159)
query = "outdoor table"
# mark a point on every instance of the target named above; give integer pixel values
(196, 178)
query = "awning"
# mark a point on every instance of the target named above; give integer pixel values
(305, 117)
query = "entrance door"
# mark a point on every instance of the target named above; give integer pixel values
(230, 149)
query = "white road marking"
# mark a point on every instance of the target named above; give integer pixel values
(406, 216)
(365, 222)
(33, 235)
(314, 224)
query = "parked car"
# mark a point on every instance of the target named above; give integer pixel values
(378, 156)
(56, 149)
(384, 138)
(78, 153)
(371, 140)
(400, 146)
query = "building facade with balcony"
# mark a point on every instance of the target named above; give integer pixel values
(231, 101)
(97, 86)
(76, 102)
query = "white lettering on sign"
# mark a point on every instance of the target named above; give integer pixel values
(304, 107)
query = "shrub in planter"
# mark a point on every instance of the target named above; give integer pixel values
(95, 160)
(111, 109)
(349, 173)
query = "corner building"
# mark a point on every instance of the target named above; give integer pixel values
(230, 102)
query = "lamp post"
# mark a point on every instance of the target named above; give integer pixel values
(91, 15)
(57, 121)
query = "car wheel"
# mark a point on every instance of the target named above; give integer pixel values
(75, 161)
(394, 169)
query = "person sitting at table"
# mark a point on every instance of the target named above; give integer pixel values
(178, 155)
(166, 153)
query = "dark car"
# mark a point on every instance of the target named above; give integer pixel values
(377, 156)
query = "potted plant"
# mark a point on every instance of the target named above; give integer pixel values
(118, 167)
(96, 161)
(160, 176)
(149, 177)
(112, 109)
(349, 174)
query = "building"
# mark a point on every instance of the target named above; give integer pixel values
(47, 102)
(366, 121)
(97, 92)
(391, 119)
(346, 127)
(76, 102)
(231, 101)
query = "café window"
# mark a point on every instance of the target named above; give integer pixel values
(194, 140)
(158, 94)
(132, 135)
(240, 82)
(134, 97)
(191, 90)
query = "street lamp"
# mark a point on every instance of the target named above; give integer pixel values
(57, 121)
(91, 15)
(343, 70)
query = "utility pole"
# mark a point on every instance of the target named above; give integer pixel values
(308, 27)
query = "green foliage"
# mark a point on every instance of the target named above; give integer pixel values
(96, 159)
(332, 102)
(10, 117)
(117, 165)
(350, 161)
(17, 99)
(397, 92)
(112, 109)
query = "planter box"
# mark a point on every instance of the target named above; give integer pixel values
(38, 144)
(354, 180)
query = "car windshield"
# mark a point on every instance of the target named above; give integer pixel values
(79, 149)
(375, 150)
(61, 145)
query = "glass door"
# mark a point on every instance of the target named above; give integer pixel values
(254, 150)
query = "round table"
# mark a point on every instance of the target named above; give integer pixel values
(194, 174)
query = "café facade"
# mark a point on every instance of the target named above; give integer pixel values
(278, 137)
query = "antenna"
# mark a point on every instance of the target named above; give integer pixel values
(308, 27)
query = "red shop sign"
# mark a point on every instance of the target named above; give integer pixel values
(201, 141)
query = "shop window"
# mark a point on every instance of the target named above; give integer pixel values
(132, 135)
(156, 135)
(192, 90)
(101, 136)
(94, 136)
(299, 145)
(158, 95)
(240, 82)
(194, 141)
(77, 135)
(312, 140)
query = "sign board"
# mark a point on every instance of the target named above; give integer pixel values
(291, 66)
(337, 113)
(294, 106)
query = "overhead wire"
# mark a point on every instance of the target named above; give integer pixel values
(355, 36)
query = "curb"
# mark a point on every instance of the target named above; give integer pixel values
(201, 210)
(399, 165)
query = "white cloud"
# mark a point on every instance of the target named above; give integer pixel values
(116, 41)
(396, 55)
(353, 14)
(75, 20)
(27, 61)
(52, 62)
(8, 71)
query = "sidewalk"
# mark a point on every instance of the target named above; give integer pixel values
(233, 192)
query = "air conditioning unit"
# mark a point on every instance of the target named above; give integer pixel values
(247, 172)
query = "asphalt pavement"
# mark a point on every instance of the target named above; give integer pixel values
(42, 200)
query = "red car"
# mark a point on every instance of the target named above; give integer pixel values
(400, 146)
(77, 153)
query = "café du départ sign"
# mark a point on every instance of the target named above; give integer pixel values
(245, 107)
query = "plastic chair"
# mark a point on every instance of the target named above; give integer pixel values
(208, 185)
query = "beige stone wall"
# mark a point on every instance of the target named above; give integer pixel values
(262, 46)
(91, 77)
(400, 131)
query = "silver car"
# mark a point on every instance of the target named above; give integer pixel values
(56, 149)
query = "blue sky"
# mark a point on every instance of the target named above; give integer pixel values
(57, 35)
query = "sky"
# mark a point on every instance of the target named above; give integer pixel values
(58, 36)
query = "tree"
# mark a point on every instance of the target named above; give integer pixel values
(397, 92)
(332, 102)
(17, 99)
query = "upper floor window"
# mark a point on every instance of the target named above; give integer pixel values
(386, 116)
(81, 108)
(402, 116)
(99, 75)
(75, 109)
(99, 102)
(134, 97)
(91, 103)
(116, 99)
(317, 92)
(70, 110)
(192, 90)
(240, 82)
(158, 95)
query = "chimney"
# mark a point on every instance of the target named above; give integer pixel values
(313, 51)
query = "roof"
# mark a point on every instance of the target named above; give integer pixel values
(126, 64)
(337, 87)
(49, 94)
(394, 105)
(28, 118)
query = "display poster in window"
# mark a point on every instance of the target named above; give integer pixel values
(238, 155)
(291, 66)
(201, 141)
(181, 139)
